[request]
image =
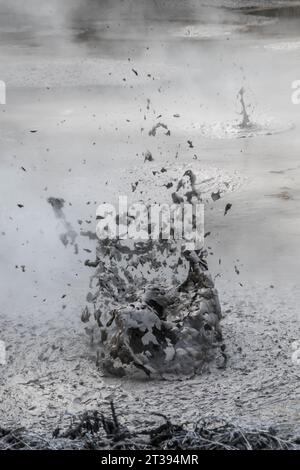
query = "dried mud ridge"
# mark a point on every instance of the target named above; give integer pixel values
(94, 431)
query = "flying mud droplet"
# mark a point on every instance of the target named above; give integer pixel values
(153, 131)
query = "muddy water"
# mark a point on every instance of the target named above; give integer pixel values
(77, 116)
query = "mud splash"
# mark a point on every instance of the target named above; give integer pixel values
(161, 329)
(154, 306)
(247, 127)
(69, 235)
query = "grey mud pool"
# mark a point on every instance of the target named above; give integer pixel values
(84, 88)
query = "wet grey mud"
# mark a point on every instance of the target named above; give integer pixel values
(160, 101)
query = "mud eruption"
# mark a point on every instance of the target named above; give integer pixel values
(155, 305)
(162, 329)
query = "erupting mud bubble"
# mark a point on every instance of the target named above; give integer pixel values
(247, 127)
(164, 329)
(154, 304)
(157, 327)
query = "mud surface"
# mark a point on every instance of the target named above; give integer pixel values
(83, 98)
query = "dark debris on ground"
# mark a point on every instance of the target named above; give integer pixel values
(92, 430)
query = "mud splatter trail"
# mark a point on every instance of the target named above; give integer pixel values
(69, 235)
